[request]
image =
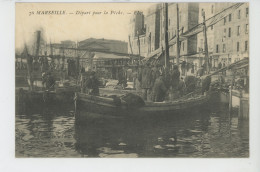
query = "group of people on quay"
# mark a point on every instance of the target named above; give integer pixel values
(151, 81)
(43, 63)
(158, 84)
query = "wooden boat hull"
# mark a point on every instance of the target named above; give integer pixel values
(100, 105)
(60, 96)
(107, 106)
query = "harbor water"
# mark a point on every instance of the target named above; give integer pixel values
(204, 133)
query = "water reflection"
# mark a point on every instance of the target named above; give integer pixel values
(211, 133)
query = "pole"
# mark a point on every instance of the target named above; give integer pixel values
(205, 42)
(177, 39)
(29, 68)
(51, 50)
(130, 45)
(77, 60)
(139, 51)
(38, 45)
(166, 36)
(230, 98)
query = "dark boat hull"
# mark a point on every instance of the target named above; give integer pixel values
(60, 98)
(86, 104)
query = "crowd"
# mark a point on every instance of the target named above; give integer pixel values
(158, 84)
(155, 83)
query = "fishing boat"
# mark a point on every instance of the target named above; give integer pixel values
(29, 86)
(116, 106)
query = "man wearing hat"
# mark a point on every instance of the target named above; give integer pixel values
(159, 89)
(92, 84)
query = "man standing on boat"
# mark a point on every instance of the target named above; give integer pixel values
(183, 67)
(146, 81)
(159, 90)
(174, 80)
(205, 84)
(92, 84)
(181, 87)
(48, 80)
(200, 72)
(155, 73)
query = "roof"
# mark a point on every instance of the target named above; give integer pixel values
(105, 56)
(104, 45)
(102, 40)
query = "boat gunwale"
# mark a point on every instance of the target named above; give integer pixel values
(110, 101)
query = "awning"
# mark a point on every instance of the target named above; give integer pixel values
(106, 56)
(155, 54)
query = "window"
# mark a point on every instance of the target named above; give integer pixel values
(247, 12)
(224, 48)
(225, 32)
(211, 27)
(246, 30)
(169, 22)
(230, 17)
(183, 46)
(229, 32)
(212, 9)
(238, 30)
(246, 45)
(238, 14)
(225, 20)
(217, 48)
(237, 46)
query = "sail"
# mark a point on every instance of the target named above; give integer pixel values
(209, 22)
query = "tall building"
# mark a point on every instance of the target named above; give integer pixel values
(227, 40)
(188, 18)
(231, 34)
(152, 39)
(153, 28)
(137, 30)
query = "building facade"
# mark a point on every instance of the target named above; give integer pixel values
(188, 18)
(231, 34)
(153, 37)
(227, 40)
(137, 30)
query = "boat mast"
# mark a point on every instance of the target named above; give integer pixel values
(51, 49)
(38, 45)
(130, 47)
(166, 35)
(177, 39)
(29, 68)
(205, 42)
(77, 57)
(139, 50)
(130, 44)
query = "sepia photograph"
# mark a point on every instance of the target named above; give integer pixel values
(132, 80)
